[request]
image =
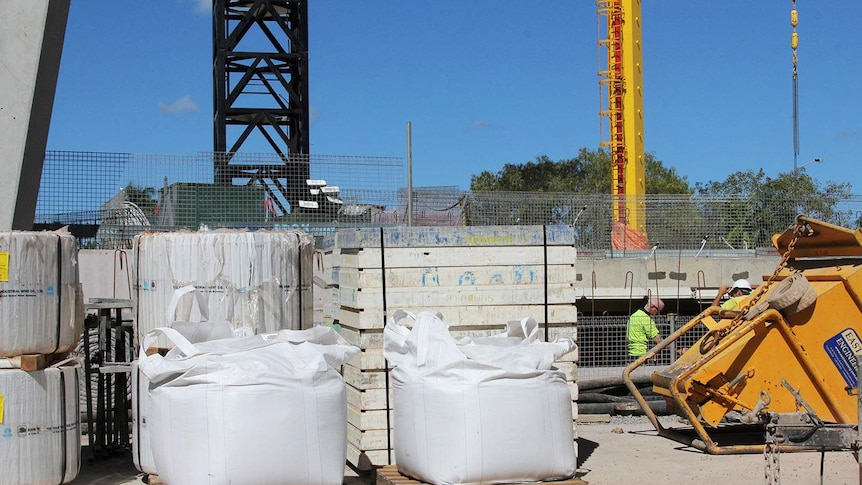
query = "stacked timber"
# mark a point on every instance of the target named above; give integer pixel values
(478, 278)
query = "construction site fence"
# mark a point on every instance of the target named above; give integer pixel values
(603, 349)
(107, 198)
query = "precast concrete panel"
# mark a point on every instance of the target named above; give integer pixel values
(31, 43)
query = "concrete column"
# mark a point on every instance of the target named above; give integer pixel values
(31, 42)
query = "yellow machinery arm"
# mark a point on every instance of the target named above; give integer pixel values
(790, 352)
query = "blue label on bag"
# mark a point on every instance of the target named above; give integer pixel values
(842, 349)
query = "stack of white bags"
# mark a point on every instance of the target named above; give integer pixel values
(259, 281)
(41, 306)
(41, 312)
(267, 408)
(484, 410)
(40, 435)
(271, 408)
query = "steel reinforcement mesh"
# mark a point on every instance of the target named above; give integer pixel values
(108, 197)
(603, 347)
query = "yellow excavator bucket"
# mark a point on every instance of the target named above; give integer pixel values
(792, 348)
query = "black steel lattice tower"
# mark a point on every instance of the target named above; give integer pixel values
(260, 89)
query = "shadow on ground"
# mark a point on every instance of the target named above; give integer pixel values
(120, 470)
(585, 449)
(112, 470)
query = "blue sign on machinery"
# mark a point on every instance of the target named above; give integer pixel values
(842, 349)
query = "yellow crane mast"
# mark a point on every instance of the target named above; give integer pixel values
(621, 84)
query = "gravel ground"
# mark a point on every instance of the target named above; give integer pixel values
(629, 450)
(617, 450)
(120, 471)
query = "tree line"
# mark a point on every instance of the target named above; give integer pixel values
(744, 209)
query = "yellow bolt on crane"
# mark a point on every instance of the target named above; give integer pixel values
(621, 84)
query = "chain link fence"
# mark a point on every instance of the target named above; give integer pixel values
(106, 198)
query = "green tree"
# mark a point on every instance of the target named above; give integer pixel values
(749, 206)
(543, 175)
(664, 180)
(143, 197)
(588, 173)
(548, 192)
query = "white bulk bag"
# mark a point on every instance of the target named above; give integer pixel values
(487, 410)
(255, 279)
(196, 326)
(41, 306)
(254, 410)
(142, 451)
(40, 436)
(194, 331)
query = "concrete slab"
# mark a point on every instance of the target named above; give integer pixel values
(31, 42)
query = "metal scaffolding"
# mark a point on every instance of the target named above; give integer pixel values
(260, 91)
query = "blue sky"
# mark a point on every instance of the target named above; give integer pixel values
(487, 82)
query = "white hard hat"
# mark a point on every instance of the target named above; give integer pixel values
(741, 284)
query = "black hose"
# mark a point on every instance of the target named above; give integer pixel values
(639, 380)
(597, 397)
(658, 407)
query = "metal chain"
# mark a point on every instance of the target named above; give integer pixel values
(720, 333)
(767, 464)
(771, 462)
(771, 449)
(797, 232)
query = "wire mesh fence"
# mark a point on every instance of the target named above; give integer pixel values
(603, 348)
(109, 197)
(106, 198)
(680, 222)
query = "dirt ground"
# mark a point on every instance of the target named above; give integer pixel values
(618, 450)
(120, 471)
(628, 450)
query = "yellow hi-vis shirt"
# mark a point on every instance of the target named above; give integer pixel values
(734, 303)
(640, 330)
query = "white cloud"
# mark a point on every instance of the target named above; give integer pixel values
(483, 125)
(204, 6)
(201, 6)
(847, 134)
(181, 106)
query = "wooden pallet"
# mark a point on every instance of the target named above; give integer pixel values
(158, 350)
(153, 479)
(389, 475)
(31, 362)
